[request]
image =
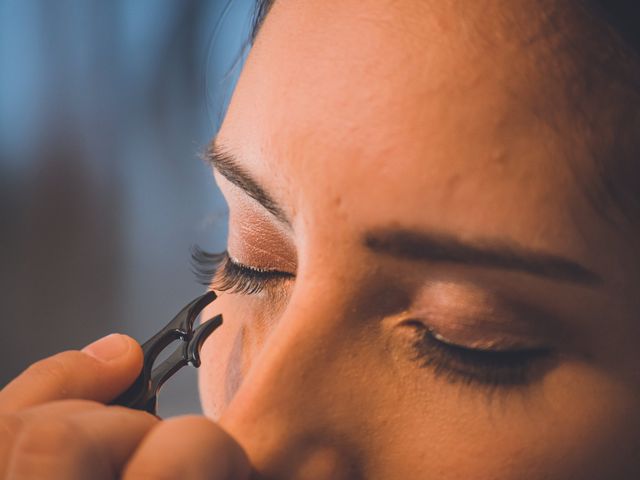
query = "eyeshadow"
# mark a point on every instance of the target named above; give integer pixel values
(468, 315)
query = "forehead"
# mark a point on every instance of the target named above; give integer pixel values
(402, 112)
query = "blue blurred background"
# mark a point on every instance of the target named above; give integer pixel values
(104, 108)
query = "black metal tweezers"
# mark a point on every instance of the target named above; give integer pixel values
(143, 393)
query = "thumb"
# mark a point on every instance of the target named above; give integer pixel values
(99, 372)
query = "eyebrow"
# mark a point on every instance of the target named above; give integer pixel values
(228, 166)
(424, 246)
(437, 247)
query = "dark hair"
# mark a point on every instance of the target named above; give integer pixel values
(623, 16)
(260, 13)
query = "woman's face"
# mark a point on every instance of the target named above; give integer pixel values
(442, 299)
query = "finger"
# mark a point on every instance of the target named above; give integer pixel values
(92, 444)
(188, 447)
(100, 372)
(59, 408)
(10, 425)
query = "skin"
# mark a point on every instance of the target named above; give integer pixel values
(55, 424)
(357, 116)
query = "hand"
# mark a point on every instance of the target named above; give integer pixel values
(54, 424)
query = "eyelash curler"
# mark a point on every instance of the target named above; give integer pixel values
(143, 393)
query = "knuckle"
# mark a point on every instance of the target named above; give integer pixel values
(10, 426)
(47, 437)
(35, 452)
(48, 447)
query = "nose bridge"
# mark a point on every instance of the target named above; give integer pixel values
(293, 406)
(295, 360)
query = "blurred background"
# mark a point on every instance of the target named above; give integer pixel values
(104, 108)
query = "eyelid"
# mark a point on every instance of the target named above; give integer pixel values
(486, 368)
(258, 270)
(259, 241)
(233, 277)
(478, 318)
(501, 343)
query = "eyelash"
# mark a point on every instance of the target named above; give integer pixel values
(227, 275)
(488, 368)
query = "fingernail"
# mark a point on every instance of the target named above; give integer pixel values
(108, 348)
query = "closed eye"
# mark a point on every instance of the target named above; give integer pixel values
(486, 367)
(221, 272)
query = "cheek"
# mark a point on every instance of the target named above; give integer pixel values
(576, 425)
(228, 353)
(214, 354)
(592, 428)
